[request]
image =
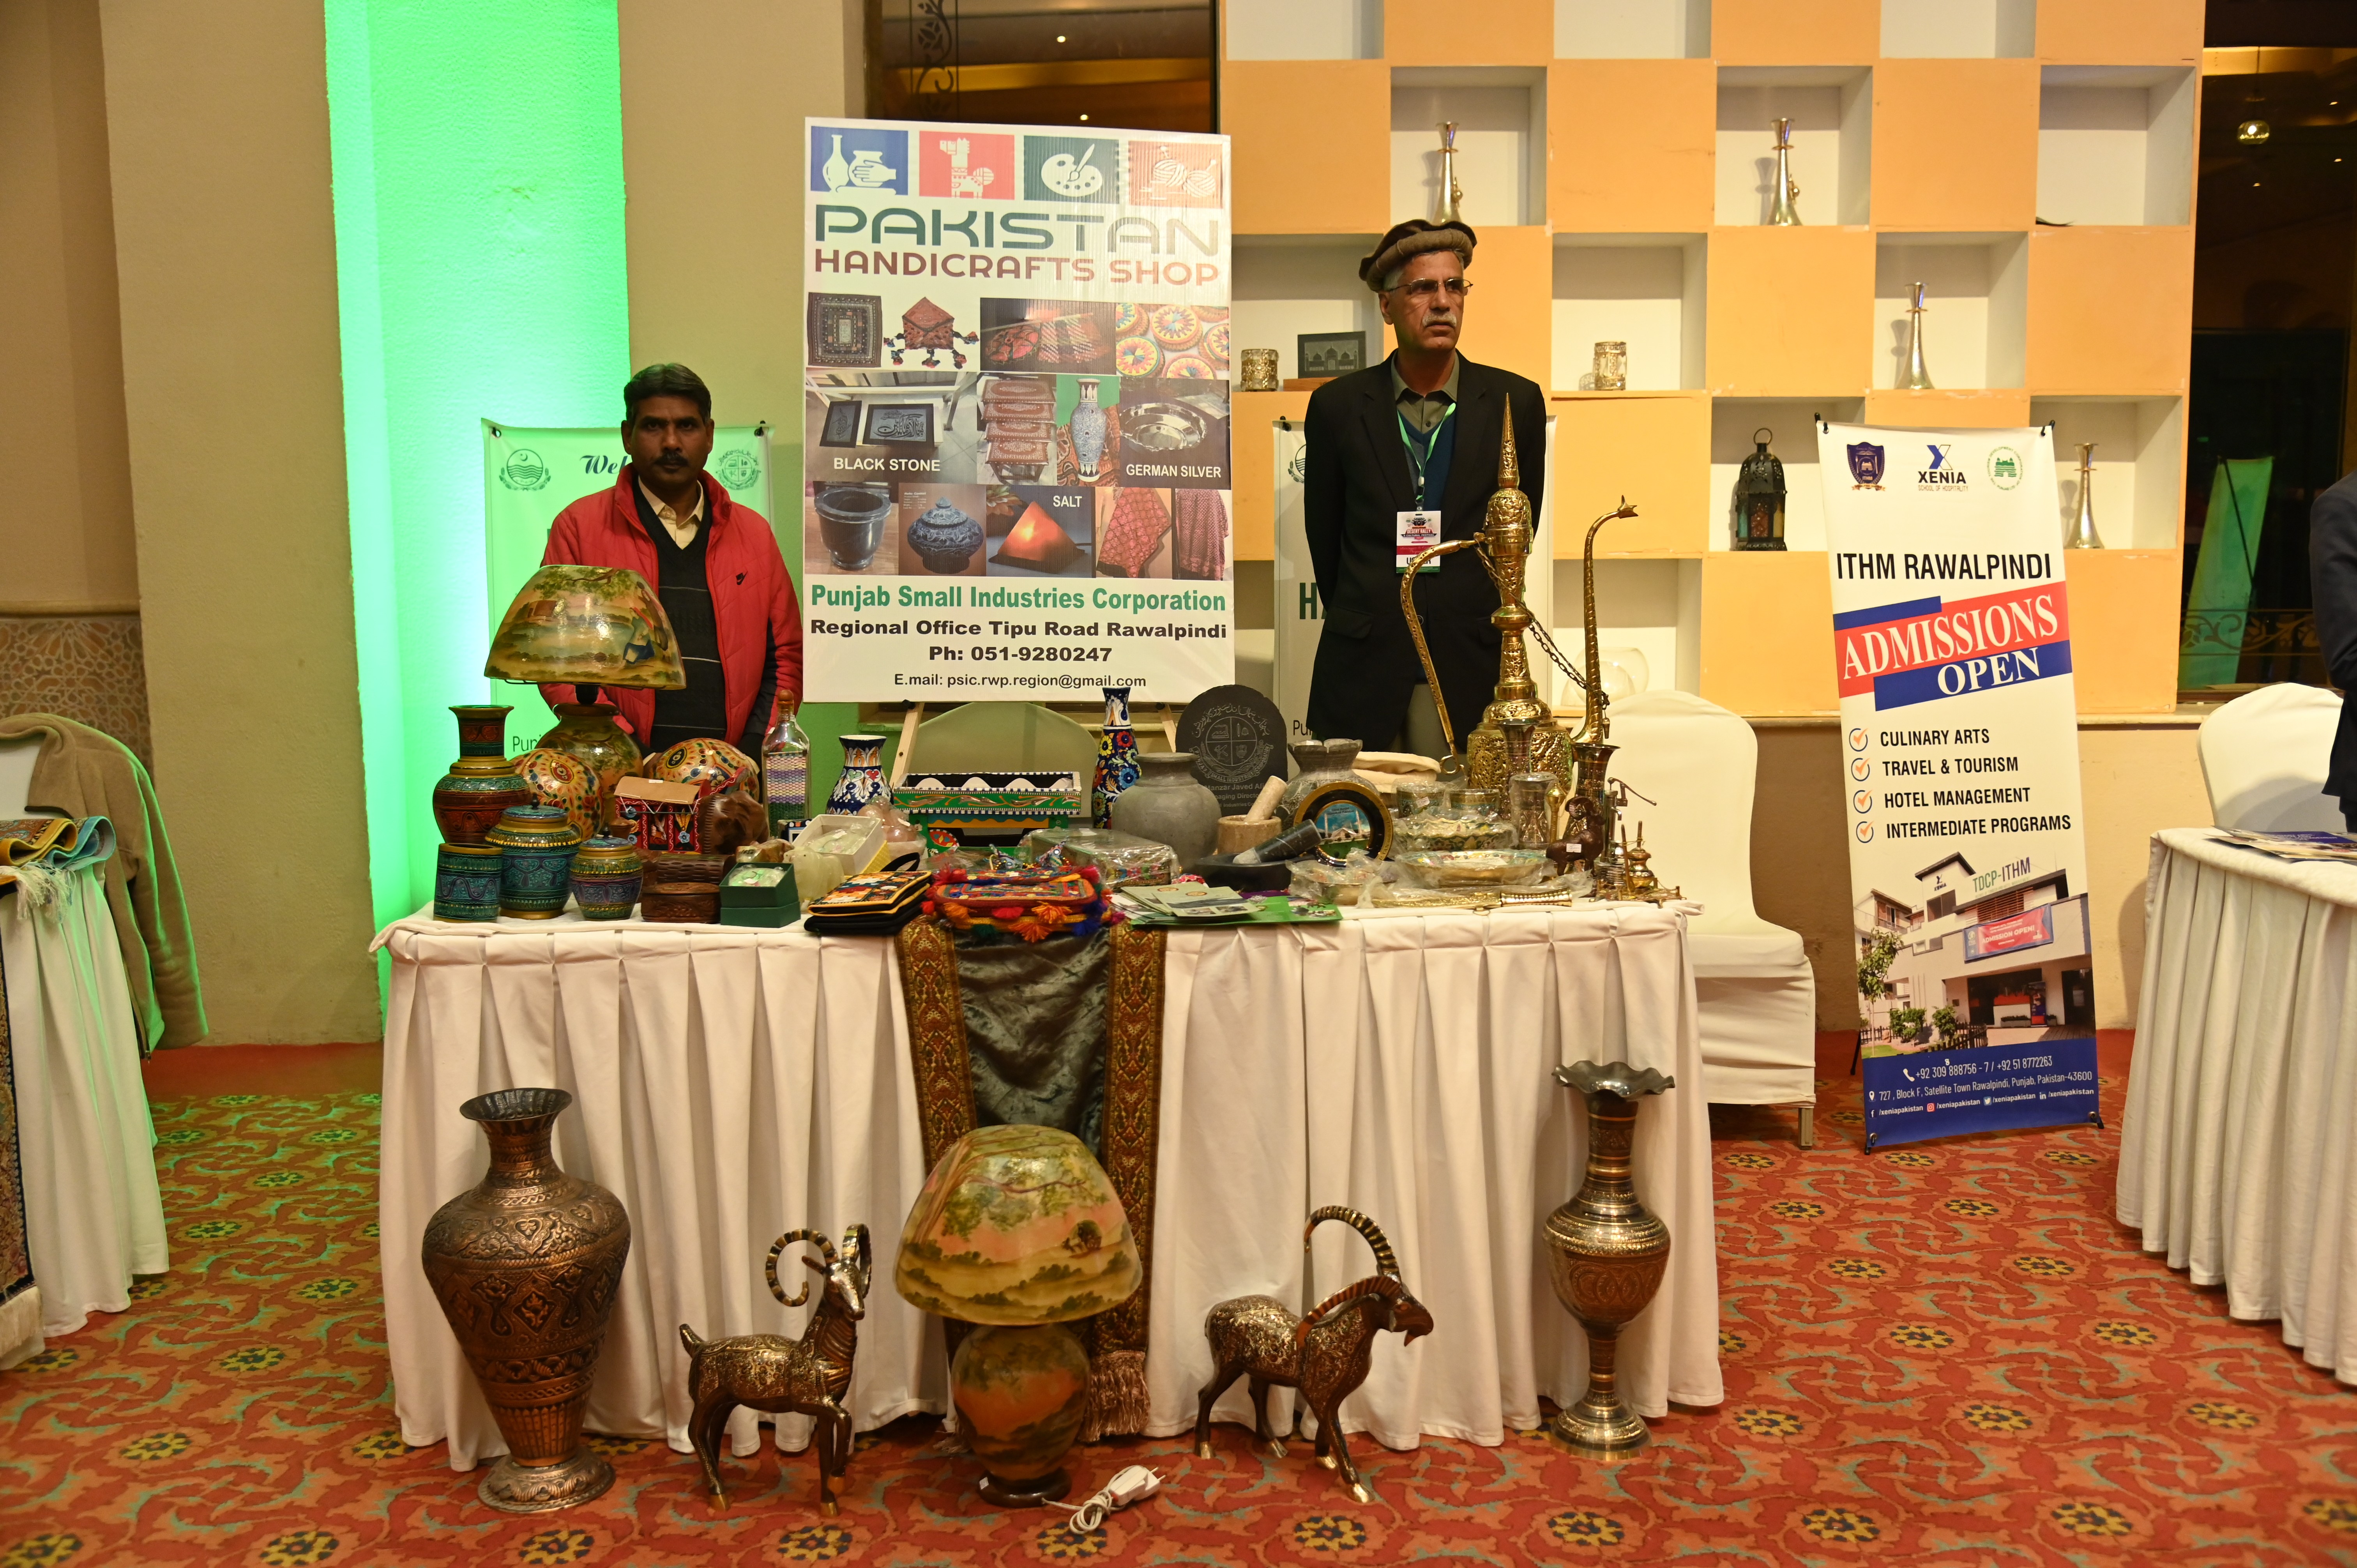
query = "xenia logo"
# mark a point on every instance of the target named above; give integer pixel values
(1941, 473)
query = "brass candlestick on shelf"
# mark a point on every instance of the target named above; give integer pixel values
(2083, 535)
(1917, 379)
(1785, 215)
(1447, 210)
(1606, 1255)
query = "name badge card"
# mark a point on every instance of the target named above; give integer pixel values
(1415, 533)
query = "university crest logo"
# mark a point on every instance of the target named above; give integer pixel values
(1866, 464)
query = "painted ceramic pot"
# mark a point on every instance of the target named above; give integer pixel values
(1117, 757)
(1168, 805)
(483, 729)
(586, 733)
(710, 765)
(525, 1266)
(467, 882)
(564, 783)
(944, 538)
(470, 797)
(537, 845)
(862, 780)
(606, 873)
(1020, 1394)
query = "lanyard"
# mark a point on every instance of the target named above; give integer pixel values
(1419, 454)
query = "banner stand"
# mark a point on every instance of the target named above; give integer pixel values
(1960, 754)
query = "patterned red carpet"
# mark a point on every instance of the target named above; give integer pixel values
(1945, 1354)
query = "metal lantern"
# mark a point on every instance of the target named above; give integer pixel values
(1760, 498)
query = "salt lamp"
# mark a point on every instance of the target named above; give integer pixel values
(1038, 542)
(1018, 1229)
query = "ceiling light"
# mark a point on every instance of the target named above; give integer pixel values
(1084, 116)
(1060, 37)
(2252, 133)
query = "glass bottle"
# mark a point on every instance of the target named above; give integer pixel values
(785, 774)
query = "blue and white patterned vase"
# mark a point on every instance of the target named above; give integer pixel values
(863, 774)
(537, 845)
(1117, 757)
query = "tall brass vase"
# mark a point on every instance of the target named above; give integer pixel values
(525, 1266)
(1606, 1253)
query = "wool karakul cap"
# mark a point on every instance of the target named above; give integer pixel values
(1411, 239)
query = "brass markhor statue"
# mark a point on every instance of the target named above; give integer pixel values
(1325, 1355)
(809, 1376)
(525, 1265)
(1607, 1253)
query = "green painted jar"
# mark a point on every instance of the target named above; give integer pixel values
(606, 876)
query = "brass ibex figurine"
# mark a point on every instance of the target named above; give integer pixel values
(1324, 1355)
(809, 1376)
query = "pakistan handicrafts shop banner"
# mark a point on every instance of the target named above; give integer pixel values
(1960, 752)
(1016, 453)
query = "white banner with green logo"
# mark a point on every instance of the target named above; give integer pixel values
(530, 476)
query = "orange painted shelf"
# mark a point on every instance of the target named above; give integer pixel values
(1652, 447)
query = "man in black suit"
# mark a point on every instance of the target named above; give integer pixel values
(2333, 584)
(1418, 432)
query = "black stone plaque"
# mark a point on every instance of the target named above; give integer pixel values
(1238, 739)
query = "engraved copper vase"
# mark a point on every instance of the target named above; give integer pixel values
(1607, 1253)
(525, 1266)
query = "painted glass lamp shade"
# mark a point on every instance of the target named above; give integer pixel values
(1018, 1229)
(594, 625)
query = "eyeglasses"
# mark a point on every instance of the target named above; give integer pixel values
(1425, 289)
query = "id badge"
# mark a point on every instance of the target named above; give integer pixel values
(1415, 533)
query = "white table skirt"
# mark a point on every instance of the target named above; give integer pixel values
(93, 1212)
(2235, 1154)
(731, 1084)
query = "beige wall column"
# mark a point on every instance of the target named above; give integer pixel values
(714, 92)
(225, 252)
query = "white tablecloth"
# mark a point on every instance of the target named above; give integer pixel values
(731, 1084)
(2235, 1155)
(93, 1214)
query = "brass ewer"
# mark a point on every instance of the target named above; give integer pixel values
(1605, 1253)
(1785, 214)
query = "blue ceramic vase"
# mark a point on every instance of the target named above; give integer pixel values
(1117, 757)
(863, 774)
(536, 845)
(606, 873)
(467, 882)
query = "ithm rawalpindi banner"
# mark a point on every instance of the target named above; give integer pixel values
(1968, 861)
(1015, 453)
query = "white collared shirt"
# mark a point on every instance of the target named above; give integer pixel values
(681, 529)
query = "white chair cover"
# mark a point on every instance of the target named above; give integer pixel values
(1700, 765)
(2264, 756)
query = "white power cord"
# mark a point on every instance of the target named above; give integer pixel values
(1128, 1486)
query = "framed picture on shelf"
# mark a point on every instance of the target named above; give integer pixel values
(842, 425)
(899, 424)
(1327, 354)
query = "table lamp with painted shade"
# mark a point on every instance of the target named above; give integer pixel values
(1018, 1231)
(588, 626)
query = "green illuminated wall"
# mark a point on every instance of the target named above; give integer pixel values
(481, 271)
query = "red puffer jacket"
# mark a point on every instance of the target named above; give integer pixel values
(753, 605)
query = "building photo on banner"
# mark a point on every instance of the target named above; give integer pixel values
(1016, 414)
(1968, 856)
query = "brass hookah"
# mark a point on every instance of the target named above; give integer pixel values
(1518, 732)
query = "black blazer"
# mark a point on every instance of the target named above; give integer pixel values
(2332, 583)
(1355, 480)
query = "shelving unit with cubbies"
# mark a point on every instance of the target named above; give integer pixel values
(2031, 162)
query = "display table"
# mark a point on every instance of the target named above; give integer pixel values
(93, 1212)
(731, 1084)
(2235, 1155)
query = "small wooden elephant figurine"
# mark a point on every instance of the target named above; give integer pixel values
(1324, 1355)
(809, 1376)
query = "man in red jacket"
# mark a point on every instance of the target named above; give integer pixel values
(714, 565)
